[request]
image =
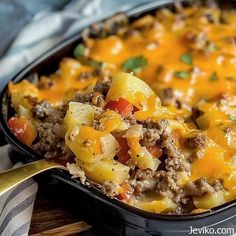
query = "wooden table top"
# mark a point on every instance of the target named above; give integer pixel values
(54, 214)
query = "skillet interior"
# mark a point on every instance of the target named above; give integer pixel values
(40, 66)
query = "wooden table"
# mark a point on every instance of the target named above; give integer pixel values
(54, 213)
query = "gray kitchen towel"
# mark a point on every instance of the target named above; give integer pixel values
(16, 206)
(46, 29)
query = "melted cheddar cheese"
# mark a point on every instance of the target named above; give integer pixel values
(192, 53)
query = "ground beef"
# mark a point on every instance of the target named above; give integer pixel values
(196, 41)
(168, 93)
(98, 99)
(130, 119)
(144, 174)
(85, 75)
(97, 125)
(167, 185)
(150, 137)
(141, 186)
(175, 160)
(42, 110)
(49, 144)
(102, 87)
(198, 188)
(160, 125)
(198, 141)
(97, 72)
(168, 144)
(83, 98)
(110, 189)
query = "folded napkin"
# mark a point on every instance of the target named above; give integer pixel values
(16, 206)
(46, 29)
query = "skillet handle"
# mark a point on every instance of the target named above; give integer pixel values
(11, 178)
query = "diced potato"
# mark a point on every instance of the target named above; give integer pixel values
(70, 67)
(209, 200)
(25, 112)
(105, 169)
(230, 183)
(143, 22)
(129, 87)
(143, 159)
(157, 206)
(78, 114)
(91, 149)
(19, 93)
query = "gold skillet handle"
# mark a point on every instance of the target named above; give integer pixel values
(10, 178)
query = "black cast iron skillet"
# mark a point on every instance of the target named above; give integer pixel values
(117, 217)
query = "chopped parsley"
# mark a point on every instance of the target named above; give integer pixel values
(181, 74)
(134, 64)
(214, 77)
(79, 51)
(96, 64)
(187, 59)
(211, 47)
(232, 117)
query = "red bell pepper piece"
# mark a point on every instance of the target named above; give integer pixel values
(155, 150)
(123, 155)
(122, 106)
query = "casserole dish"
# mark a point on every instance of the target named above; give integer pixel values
(137, 222)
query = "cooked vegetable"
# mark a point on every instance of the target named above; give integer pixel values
(181, 74)
(80, 114)
(157, 206)
(126, 192)
(122, 106)
(155, 151)
(79, 51)
(23, 129)
(22, 93)
(130, 88)
(134, 64)
(96, 64)
(105, 170)
(209, 201)
(90, 145)
(213, 77)
(123, 155)
(186, 58)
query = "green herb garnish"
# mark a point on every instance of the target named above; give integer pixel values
(213, 77)
(181, 74)
(79, 51)
(134, 64)
(96, 64)
(232, 117)
(211, 47)
(186, 58)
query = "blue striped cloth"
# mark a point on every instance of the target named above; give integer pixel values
(16, 206)
(44, 31)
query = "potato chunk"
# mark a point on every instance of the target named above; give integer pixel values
(20, 93)
(209, 200)
(129, 87)
(105, 169)
(79, 113)
(87, 144)
(143, 159)
(157, 206)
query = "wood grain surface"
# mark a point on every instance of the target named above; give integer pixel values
(54, 213)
